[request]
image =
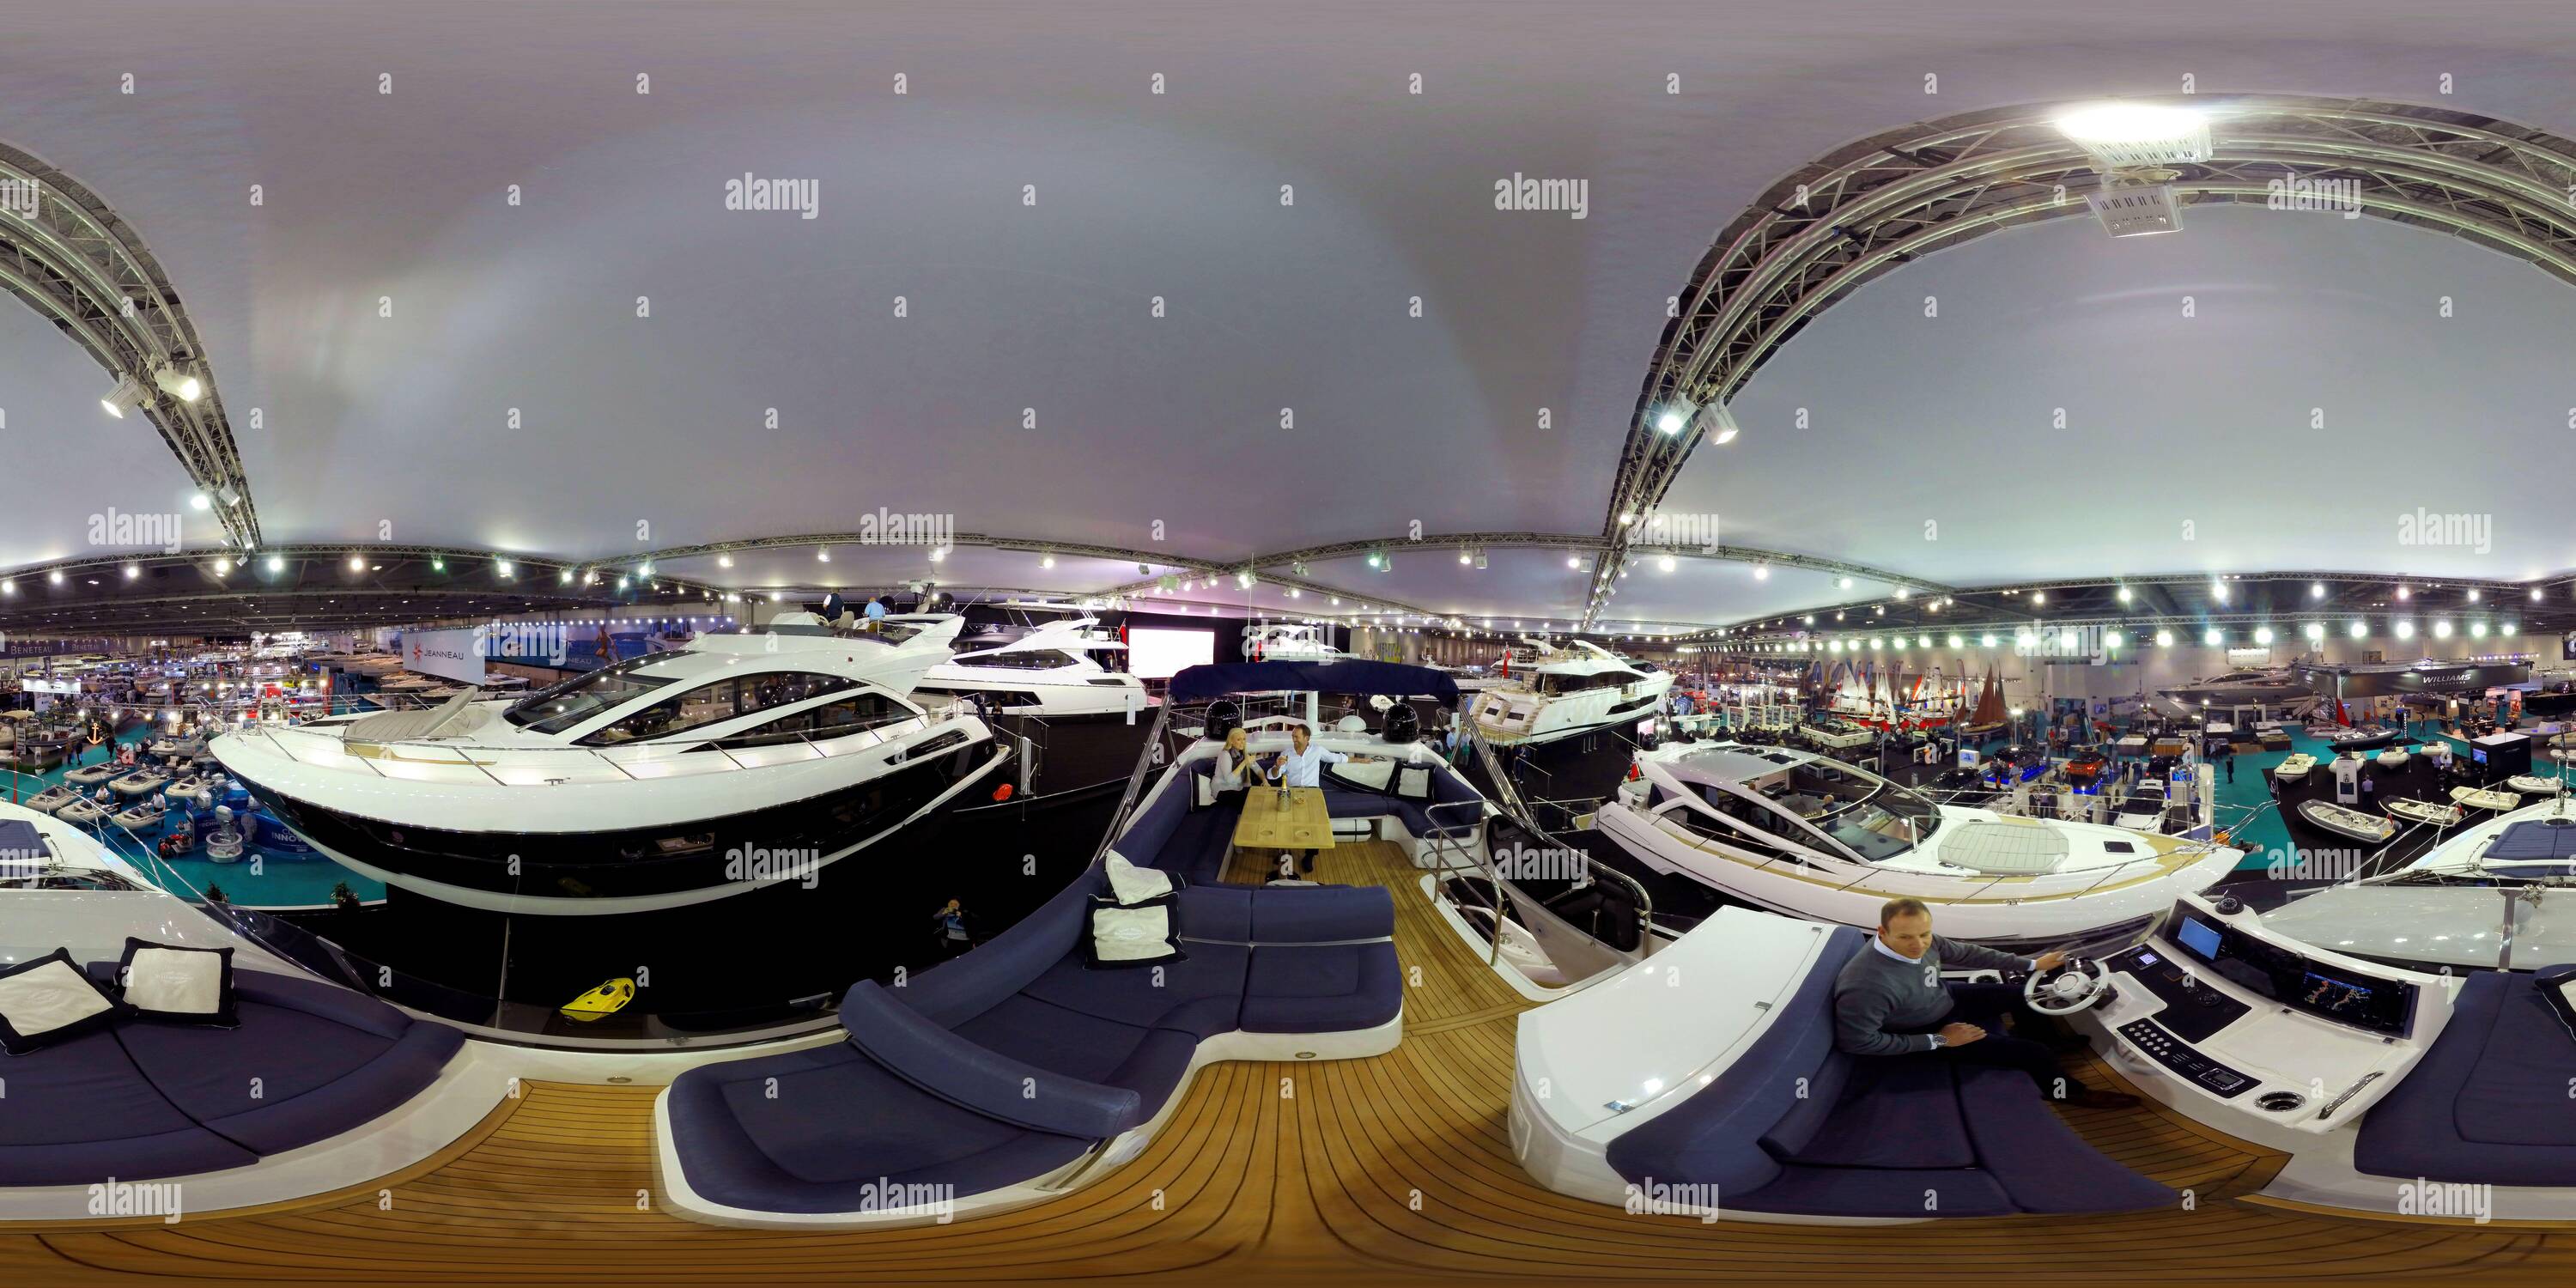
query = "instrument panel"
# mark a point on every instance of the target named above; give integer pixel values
(2331, 992)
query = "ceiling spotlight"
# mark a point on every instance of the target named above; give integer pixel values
(2316, 590)
(1664, 564)
(1845, 583)
(1046, 561)
(2127, 135)
(2213, 637)
(223, 566)
(1675, 415)
(2218, 591)
(2316, 630)
(2110, 639)
(133, 571)
(724, 561)
(1464, 556)
(938, 554)
(2358, 630)
(437, 564)
(178, 384)
(823, 556)
(1988, 640)
(2164, 639)
(2403, 593)
(201, 501)
(2124, 594)
(2262, 634)
(2477, 630)
(1761, 572)
(2406, 630)
(129, 392)
(357, 564)
(502, 567)
(2473, 596)
(2442, 630)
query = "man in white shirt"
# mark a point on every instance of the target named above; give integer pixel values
(1303, 766)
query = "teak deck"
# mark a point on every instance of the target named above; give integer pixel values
(1353, 1172)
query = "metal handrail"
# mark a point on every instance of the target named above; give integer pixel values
(1516, 810)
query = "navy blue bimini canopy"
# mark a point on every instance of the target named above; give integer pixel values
(1394, 679)
(2547, 838)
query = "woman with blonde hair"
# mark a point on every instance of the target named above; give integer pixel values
(1234, 766)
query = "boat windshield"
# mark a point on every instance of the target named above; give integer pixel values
(1874, 818)
(556, 709)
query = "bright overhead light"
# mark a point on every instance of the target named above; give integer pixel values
(2316, 590)
(201, 501)
(503, 567)
(1672, 418)
(223, 566)
(2477, 630)
(2473, 596)
(2358, 630)
(133, 571)
(2122, 135)
(1954, 641)
(178, 384)
(1761, 572)
(2262, 634)
(2404, 593)
(277, 563)
(823, 555)
(1988, 641)
(1046, 561)
(938, 554)
(2213, 637)
(2442, 630)
(1664, 564)
(1574, 561)
(2218, 591)
(357, 564)
(1846, 583)
(2316, 630)
(2111, 639)
(2124, 594)
(2406, 630)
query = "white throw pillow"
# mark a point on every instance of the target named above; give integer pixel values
(174, 982)
(1413, 782)
(1134, 885)
(1131, 934)
(50, 996)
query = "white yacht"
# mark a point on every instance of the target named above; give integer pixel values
(1547, 693)
(648, 784)
(1800, 833)
(1059, 691)
(1291, 642)
(1062, 668)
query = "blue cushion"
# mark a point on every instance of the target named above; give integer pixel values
(1202, 994)
(1151, 830)
(1325, 988)
(1895, 1111)
(1811, 1107)
(2042, 1165)
(958, 990)
(2454, 1117)
(954, 1067)
(1215, 913)
(817, 1131)
(308, 1062)
(80, 1112)
(1320, 914)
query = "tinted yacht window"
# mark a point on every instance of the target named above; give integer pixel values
(723, 700)
(831, 720)
(567, 704)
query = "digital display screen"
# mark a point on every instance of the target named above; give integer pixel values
(2146, 958)
(2478, 754)
(2332, 996)
(2199, 936)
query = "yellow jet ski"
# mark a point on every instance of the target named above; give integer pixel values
(607, 999)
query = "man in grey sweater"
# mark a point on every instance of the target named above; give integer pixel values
(1890, 1000)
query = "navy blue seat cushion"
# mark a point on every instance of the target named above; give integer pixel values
(817, 1131)
(1320, 914)
(81, 1112)
(308, 1062)
(1202, 995)
(2488, 1102)
(1811, 1107)
(960, 989)
(1215, 914)
(1151, 831)
(1322, 988)
(2042, 1165)
(1895, 1111)
(1028, 1082)
(1876, 1192)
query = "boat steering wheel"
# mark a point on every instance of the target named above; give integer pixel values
(2080, 984)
